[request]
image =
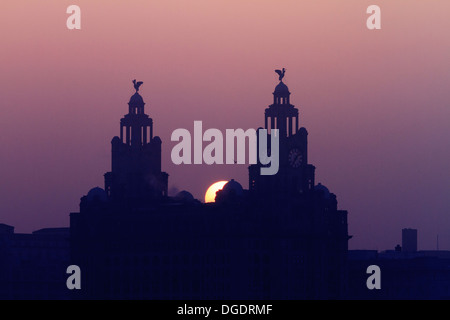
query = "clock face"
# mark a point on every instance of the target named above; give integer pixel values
(295, 158)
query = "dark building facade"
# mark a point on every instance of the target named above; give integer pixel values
(33, 266)
(284, 238)
(409, 240)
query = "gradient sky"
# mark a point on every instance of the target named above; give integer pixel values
(376, 104)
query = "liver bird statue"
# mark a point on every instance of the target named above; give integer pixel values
(280, 74)
(137, 84)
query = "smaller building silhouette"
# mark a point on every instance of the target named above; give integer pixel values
(405, 272)
(404, 275)
(409, 240)
(33, 266)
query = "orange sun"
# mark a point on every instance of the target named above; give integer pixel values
(210, 194)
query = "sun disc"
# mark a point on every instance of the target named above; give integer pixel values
(210, 194)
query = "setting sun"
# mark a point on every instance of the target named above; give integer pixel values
(210, 194)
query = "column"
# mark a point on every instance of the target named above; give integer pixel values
(290, 126)
(144, 134)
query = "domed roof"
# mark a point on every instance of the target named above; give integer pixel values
(136, 99)
(281, 89)
(233, 186)
(97, 194)
(321, 187)
(184, 196)
(303, 130)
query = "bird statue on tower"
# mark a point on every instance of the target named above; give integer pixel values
(280, 74)
(137, 85)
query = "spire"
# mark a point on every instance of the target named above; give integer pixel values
(136, 103)
(281, 93)
(281, 114)
(137, 125)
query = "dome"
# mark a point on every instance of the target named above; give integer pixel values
(97, 194)
(325, 191)
(184, 196)
(136, 99)
(281, 89)
(233, 186)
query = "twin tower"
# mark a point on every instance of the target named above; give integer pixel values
(136, 155)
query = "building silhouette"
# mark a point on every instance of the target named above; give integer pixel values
(409, 240)
(423, 274)
(33, 266)
(136, 158)
(284, 238)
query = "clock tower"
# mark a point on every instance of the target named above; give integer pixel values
(295, 176)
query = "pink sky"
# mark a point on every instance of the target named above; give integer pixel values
(376, 104)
